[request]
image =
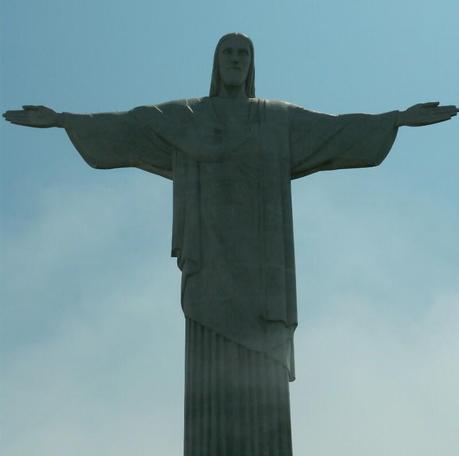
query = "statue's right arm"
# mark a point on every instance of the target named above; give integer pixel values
(35, 116)
(107, 140)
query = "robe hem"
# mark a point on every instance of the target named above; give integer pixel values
(291, 375)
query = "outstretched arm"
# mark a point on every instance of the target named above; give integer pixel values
(322, 142)
(426, 114)
(107, 140)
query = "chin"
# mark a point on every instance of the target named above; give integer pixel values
(234, 82)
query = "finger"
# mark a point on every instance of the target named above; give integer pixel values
(442, 111)
(24, 123)
(31, 107)
(446, 113)
(17, 114)
(436, 119)
(436, 114)
(451, 107)
(7, 113)
(18, 118)
(445, 109)
(430, 104)
(12, 115)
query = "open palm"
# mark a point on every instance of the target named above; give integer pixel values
(33, 116)
(426, 114)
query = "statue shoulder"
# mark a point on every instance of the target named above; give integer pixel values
(285, 107)
(185, 103)
(280, 111)
(175, 109)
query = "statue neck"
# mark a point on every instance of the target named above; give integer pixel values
(236, 92)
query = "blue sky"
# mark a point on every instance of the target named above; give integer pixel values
(92, 334)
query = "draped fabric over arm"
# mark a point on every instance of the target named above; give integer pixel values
(122, 139)
(320, 142)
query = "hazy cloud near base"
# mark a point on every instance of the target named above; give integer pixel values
(369, 386)
(117, 387)
(96, 366)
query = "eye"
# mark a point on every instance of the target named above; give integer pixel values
(243, 52)
(227, 51)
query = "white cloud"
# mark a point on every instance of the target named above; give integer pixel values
(96, 367)
(378, 340)
(371, 387)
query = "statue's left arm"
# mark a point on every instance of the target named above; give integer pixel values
(320, 142)
(120, 139)
(110, 140)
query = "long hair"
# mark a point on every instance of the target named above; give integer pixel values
(216, 79)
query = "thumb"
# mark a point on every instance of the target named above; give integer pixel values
(431, 104)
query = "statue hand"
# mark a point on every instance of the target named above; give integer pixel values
(34, 116)
(426, 114)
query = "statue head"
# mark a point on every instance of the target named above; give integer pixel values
(233, 64)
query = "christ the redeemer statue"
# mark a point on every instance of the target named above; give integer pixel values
(231, 157)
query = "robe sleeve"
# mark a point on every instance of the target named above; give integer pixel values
(320, 142)
(122, 139)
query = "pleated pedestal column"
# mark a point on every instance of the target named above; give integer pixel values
(236, 400)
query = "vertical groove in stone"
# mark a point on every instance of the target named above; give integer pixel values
(186, 436)
(246, 422)
(213, 399)
(264, 415)
(253, 400)
(282, 422)
(197, 382)
(207, 400)
(229, 405)
(236, 400)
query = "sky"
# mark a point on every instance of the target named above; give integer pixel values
(92, 334)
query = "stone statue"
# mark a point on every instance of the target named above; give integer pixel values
(231, 157)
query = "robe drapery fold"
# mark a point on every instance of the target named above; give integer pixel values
(232, 226)
(236, 400)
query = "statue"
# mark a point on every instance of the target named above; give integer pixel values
(231, 157)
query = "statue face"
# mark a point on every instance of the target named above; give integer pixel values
(234, 61)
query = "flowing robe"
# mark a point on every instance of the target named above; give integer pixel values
(232, 226)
